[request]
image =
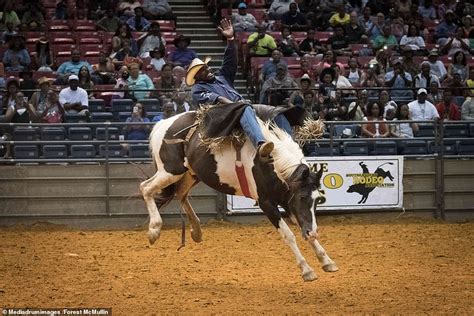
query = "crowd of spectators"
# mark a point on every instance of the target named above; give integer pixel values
(341, 60)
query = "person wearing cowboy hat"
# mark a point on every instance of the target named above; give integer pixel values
(210, 88)
(38, 99)
(183, 55)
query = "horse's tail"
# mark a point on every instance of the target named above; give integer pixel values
(166, 195)
(386, 163)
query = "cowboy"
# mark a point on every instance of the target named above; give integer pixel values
(208, 87)
(182, 56)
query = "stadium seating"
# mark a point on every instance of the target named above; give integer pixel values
(385, 148)
(138, 151)
(79, 133)
(54, 151)
(53, 133)
(355, 148)
(465, 147)
(83, 151)
(456, 130)
(414, 147)
(97, 105)
(114, 151)
(449, 147)
(112, 131)
(25, 152)
(25, 134)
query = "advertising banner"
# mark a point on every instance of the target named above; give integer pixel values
(355, 183)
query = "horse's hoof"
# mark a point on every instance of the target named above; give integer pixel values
(196, 236)
(153, 235)
(309, 276)
(331, 267)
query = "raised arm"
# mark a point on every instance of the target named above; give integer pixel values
(230, 63)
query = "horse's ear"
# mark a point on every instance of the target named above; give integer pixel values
(305, 173)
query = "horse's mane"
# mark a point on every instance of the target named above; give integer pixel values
(287, 155)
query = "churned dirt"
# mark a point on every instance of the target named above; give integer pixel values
(390, 265)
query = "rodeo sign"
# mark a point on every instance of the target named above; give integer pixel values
(368, 182)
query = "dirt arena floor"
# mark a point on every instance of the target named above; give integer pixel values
(388, 265)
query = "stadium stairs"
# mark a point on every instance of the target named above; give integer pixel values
(194, 21)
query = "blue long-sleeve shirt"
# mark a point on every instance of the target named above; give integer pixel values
(223, 84)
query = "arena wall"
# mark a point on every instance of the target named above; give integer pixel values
(106, 196)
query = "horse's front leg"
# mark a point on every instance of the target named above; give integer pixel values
(326, 262)
(272, 212)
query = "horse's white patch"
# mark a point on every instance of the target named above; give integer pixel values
(314, 227)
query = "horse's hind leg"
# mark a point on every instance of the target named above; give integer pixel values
(326, 262)
(160, 183)
(184, 186)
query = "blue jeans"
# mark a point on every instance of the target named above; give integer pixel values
(249, 124)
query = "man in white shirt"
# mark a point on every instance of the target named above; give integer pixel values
(74, 99)
(422, 110)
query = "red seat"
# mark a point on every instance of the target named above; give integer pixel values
(89, 40)
(40, 74)
(169, 36)
(59, 28)
(256, 3)
(356, 48)
(49, 3)
(166, 25)
(63, 40)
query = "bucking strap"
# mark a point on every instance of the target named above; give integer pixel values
(240, 171)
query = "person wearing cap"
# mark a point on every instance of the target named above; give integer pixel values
(275, 89)
(74, 99)
(16, 57)
(210, 88)
(183, 55)
(399, 78)
(437, 66)
(138, 23)
(243, 21)
(421, 109)
(425, 77)
(297, 96)
(445, 29)
(294, 20)
(151, 40)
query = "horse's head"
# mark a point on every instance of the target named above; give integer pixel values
(304, 194)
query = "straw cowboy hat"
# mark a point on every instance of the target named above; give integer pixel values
(43, 80)
(193, 69)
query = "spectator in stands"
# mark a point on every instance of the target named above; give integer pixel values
(158, 10)
(9, 15)
(434, 95)
(125, 52)
(243, 21)
(385, 39)
(357, 109)
(139, 131)
(27, 83)
(467, 26)
(183, 55)
(52, 111)
(456, 85)
(403, 130)
(43, 59)
(339, 43)
(448, 109)
(61, 10)
(446, 28)
(373, 129)
(270, 66)
(275, 89)
(427, 10)
(313, 109)
(372, 77)
(305, 69)
(8, 34)
(310, 45)
(353, 30)
(456, 43)
(126, 8)
(421, 109)
(340, 80)
(297, 96)
(459, 66)
(110, 22)
(151, 41)
(16, 57)
(470, 81)
(168, 111)
(180, 105)
(340, 18)
(166, 84)
(74, 99)
(20, 111)
(467, 110)
(278, 8)
(39, 98)
(71, 67)
(104, 70)
(124, 33)
(425, 77)
(409, 64)
(328, 60)
(138, 23)
(85, 80)
(294, 20)
(354, 73)
(388, 105)
(287, 44)
(365, 20)
(436, 65)
(33, 20)
(260, 44)
(122, 83)
(9, 99)
(157, 61)
(266, 23)
(413, 40)
(139, 81)
(397, 25)
(327, 88)
(399, 78)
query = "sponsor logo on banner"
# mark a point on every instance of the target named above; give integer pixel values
(369, 182)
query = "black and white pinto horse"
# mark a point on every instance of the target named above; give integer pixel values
(285, 180)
